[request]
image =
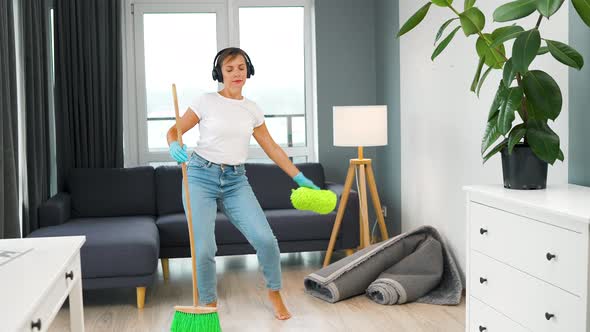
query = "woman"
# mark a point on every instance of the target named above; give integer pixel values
(216, 172)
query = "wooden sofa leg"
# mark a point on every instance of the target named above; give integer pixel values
(349, 252)
(165, 268)
(140, 297)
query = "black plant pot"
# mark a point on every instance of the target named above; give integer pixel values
(523, 169)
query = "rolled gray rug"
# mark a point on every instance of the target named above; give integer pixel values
(352, 275)
(412, 277)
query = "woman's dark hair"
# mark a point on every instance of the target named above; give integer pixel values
(230, 54)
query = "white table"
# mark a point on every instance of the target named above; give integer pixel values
(36, 277)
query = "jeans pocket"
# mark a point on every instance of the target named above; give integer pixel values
(196, 162)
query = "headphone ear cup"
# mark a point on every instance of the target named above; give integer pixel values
(217, 75)
(251, 70)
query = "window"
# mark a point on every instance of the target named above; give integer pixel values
(176, 42)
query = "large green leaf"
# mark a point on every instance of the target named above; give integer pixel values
(491, 134)
(532, 113)
(504, 34)
(583, 9)
(515, 10)
(477, 74)
(509, 105)
(525, 50)
(508, 73)
(442, 28)
(542, 50)
(483, 79)
(442, 3)
(468, 4)
(516, 134)
(548, 7)
(444, 43)
(498, 98)
(493, 57)
(565, 54)
(560, 155)
(495, 150)
(543, 141)
(413, 21)
(543, 93)
(472, 21)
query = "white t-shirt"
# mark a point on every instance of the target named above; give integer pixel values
(225, 126)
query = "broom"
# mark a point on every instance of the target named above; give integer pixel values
(191, 318)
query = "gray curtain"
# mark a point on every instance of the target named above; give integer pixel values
(35, 16)
(9, 222)
(88, 113)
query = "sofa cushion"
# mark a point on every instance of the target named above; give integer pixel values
(115, 246)
(112, 192)
(169, 190)
(173, 229)
(287, 225)
(273, 187)
(270, 184)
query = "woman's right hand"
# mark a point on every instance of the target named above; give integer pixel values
(178, 153)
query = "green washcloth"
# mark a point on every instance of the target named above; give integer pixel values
(321, 201)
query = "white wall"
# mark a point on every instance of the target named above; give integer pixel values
(442, 122)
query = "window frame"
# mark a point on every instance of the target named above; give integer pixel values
(134, 100)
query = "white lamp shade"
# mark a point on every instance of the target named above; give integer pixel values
(360, 125)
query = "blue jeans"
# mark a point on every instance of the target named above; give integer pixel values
(208, 183)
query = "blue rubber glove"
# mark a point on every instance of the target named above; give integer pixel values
(177, 153)
(302, 181)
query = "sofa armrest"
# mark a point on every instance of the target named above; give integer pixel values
(349, 228)
(55, 211)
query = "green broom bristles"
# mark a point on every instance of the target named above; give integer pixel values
(184, 322)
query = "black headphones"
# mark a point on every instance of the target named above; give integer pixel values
(218, 76)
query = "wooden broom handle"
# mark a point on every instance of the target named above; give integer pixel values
(187, 199)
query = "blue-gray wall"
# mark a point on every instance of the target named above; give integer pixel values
(579, 105)
(345, 61)
(388, 160)
(358, 64)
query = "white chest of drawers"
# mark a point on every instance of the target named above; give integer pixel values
(527, 259)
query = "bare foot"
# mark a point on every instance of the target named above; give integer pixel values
(212, 304)
(281, 312)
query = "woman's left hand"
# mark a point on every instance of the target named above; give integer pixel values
(302, 181)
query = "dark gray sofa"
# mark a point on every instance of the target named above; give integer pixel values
(133, 216)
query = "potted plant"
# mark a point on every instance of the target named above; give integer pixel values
(528, 145)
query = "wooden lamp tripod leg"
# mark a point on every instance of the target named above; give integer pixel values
(340, 214)
(377, 203)
(366, 233)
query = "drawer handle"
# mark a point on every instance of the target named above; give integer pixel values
(550, 256)
(70, 275)
(482, 328)
(548, 316)
(482, 231)
(36, 325)
(482, 280)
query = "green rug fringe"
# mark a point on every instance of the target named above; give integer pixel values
(184, 322)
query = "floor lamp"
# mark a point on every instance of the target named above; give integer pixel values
(359, 126)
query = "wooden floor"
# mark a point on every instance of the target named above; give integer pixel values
(243, 305)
